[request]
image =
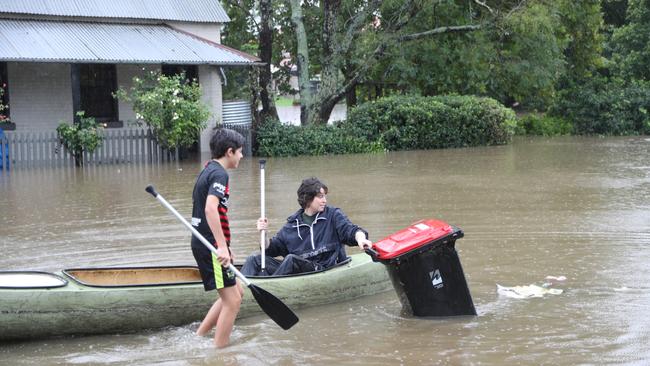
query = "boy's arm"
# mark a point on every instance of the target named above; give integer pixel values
(351, 233)
(274, 246)
(214, 222)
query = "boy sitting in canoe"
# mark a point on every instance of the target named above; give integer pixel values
(210, 218)
(311, 240)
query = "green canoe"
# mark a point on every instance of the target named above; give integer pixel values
(113, 300)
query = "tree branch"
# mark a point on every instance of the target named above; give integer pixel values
(483, 4)
(357, 22)
(381, 48)
(439, 30)
(516, 8)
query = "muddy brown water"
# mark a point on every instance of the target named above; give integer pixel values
(574, 207)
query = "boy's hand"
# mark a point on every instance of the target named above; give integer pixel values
(223, 256)
(362, 242)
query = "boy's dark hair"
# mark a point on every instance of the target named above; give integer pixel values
(224, 139)
(309, 188)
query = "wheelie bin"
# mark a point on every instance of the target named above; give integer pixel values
(425, 269)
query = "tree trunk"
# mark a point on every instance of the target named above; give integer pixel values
(78, 159)
(266, 52)
(306, 98)
(330, 70)
(254, 77)
(326, 111)
(351, 98)
(351, 95)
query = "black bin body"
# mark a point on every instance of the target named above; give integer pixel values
(425, 269)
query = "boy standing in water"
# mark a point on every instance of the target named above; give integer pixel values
(210, 218)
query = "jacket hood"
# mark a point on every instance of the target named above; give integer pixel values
(298, 215)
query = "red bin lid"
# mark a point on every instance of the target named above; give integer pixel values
(412, 237)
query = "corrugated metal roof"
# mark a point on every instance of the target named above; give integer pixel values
(180, 10)
(81, 42)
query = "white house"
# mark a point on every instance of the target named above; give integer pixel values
(62, 56)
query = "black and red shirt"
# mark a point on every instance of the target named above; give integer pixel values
(213, 180)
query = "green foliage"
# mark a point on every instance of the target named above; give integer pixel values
(581, 25)
(170, 106)
(238, 85)
(543, 125)
(520, 58)
(81, 137)
(413, 122)
(606, 107)
(530, 59)
(396, 123)
(614, 12)
(3, 117)
(630, 43)
(440, 64)
(277, 139)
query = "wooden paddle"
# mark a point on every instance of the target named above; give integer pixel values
(271, 305)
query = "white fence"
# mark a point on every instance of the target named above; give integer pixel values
(124, 145)
(37, 148)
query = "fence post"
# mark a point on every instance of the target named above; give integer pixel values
(4, 151)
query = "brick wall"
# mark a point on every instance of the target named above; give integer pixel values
(40, 95)
(210, 80)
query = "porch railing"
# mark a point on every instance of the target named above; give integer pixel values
(37, 148)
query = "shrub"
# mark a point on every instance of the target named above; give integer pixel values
(606, 107)
(3, 107)
(170, 106)
(396, 123)
(543, 125)
(79, 137)
(413, 122)
(277, 139)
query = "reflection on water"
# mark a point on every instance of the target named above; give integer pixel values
(577, 207)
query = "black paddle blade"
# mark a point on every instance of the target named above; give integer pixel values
(274, 308)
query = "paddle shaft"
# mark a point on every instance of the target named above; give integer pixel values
(262, 232)
(196, 233)
(271, 305)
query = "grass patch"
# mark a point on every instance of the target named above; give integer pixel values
(283, 101)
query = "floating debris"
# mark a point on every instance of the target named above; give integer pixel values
(526, 292)
(556, 278)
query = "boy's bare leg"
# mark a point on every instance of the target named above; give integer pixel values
(211, 317)
(230, 301)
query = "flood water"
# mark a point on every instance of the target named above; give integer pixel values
(573, 207)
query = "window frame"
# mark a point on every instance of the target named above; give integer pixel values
(96, 84)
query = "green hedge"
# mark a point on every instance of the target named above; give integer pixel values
(413, 122)
(277, 139)
(396, 123)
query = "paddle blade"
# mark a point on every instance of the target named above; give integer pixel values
(274, 308)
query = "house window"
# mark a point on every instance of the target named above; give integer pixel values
(191, 71)
(97, 83)
(4, 99)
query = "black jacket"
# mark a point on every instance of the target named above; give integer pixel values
(321, 242)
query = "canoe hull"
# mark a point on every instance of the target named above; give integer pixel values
(80, 309)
